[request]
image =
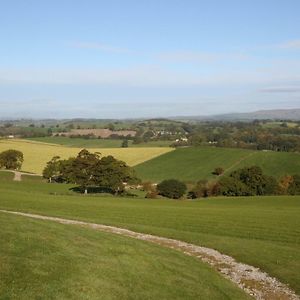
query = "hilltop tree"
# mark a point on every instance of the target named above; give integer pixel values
(11, 159)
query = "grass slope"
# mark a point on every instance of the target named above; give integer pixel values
(37, 154)
(193, 164)
(95, 143)
(260, 231)
(44, 260)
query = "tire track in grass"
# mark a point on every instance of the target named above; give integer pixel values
(239, 161)
(252, 280)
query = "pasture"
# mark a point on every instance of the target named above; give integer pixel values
(95, 143)
(193, 164)
(44, 260)
(37, 154)
(260, 231)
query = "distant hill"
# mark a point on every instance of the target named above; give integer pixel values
(275, 114)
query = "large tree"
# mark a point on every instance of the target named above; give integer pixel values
(89, 170)
(11, 159)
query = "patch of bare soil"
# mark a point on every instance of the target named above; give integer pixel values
(252, 280)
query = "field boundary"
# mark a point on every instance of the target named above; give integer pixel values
(252, 280)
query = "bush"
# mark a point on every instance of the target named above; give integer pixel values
(151, 194)
(218, 171)
(171, 188)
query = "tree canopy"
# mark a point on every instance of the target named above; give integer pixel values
(90, 170)
(11, 159)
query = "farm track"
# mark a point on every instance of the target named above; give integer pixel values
(238, 162)
(252, 280)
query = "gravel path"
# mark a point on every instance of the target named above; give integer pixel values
(252, 280)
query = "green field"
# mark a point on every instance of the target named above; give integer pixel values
(95, 143)
(44, 260)
(260, 231)
(193, 164)
(37, 154)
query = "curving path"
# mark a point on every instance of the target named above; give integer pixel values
(252, 280)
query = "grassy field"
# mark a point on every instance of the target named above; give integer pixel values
(44, 260)
(260, 231)
(192, 164)
(37, 154)
(95, 143)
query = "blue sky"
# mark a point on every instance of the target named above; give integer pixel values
(120, 59)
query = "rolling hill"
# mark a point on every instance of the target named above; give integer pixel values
(193, 164)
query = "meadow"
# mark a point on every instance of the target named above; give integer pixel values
(260, 231)
(193, 164)
(95, 143)
(37, 154)
(44, 260)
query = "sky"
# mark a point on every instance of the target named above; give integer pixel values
(141, 58)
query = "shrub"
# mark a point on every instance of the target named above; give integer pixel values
(218, 171)
(171, 188)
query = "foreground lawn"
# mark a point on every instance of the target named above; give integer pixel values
(44, 260)
(193, 164)
(260, 231)
(37, 154)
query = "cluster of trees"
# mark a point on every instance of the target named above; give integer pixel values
(251, 135)
(248, 181)
(11, 159)
(90, 170)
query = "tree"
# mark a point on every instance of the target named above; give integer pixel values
(199, 190)
(89, 170)
(247, 181)
(52, 169)
(124, 144)
(230, 186)
(171, 188)
(110, 174)
(11, 159)
(81, 169)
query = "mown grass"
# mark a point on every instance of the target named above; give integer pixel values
(45, 260)
(95, 143)
(260, 231)
(193, 164)
(37, 154)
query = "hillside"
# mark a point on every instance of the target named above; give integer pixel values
(37, 154)
(260, 231)
(274, 114)
(193, 164)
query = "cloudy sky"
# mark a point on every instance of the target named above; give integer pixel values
(126, 58)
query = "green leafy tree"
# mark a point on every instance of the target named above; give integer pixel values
(124, 144)
(11, 159)
(81, 169)
(53, 169)
(89, 170)
(171, 188)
